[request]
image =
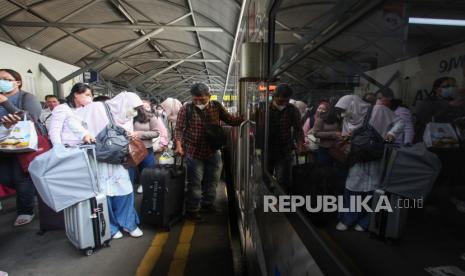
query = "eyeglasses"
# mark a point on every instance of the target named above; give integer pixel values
(7, 79)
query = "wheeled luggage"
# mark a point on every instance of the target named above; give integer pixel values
(49, 219)
(388, 225)
(87, 223)
(408, 173)
(163, 196)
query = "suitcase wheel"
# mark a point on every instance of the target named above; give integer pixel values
(88, 252)
(106, 244)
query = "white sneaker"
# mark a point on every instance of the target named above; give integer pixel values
(139, 189)
(341, 226)
(359, 228)
(118, 235)
(136, 233)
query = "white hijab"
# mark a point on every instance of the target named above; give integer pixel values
(355, 109)
(121, 107)
(171, 107)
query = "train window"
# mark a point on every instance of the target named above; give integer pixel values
(405, 58)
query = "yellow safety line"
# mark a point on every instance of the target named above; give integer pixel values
(152, 255)
(181, 254)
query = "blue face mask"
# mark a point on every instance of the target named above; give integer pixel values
(448, 92)
(6, 86)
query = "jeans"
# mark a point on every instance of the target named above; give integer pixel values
(281, 169)
(123, 215)
(11, 175)
(350, 218)
(148, 162)
(202, 179)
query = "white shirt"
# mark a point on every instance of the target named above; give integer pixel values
(45, 117)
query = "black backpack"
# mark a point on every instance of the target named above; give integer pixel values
(112, 143)
(366, 143)
(214, 134)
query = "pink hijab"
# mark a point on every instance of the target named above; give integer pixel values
(121, 107)
(382, 118)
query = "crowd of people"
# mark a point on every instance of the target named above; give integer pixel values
(79, 119)
(182, 128)
(294, 130)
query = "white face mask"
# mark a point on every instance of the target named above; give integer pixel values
(148, 109)
(201, 106)
(279, 107)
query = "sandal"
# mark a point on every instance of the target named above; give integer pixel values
(23, 219)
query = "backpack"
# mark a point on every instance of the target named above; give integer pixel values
(112, 143)
(214, 134)
(366, 143)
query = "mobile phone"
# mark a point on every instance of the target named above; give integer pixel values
(20, 114)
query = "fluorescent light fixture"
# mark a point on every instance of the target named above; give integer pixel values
(436, 21)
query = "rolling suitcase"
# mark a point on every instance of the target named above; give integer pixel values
(87, 223)
(48, 218)
(388, 225)
(163, 196)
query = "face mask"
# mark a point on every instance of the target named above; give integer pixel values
(201, 106)
(448, 92)
(6, 86)
(159, 112)
(148, 109)
(87, 100)
(345, 114)
(279, 107)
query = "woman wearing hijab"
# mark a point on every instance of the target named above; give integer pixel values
(363, 178)
(114, 179)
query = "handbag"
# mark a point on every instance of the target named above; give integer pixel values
(112, 143)
(137, 152)
(340, 150)
(26, 158)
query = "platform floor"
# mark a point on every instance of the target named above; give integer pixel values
(188, 249)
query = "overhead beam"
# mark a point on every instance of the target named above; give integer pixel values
(189, 4)
(174, 59)
(143, 79)
(117, 26)
(236, 39)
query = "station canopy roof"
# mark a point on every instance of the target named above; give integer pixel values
(158, 47)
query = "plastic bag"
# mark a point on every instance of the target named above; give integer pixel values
(440, 135)
(22, 138)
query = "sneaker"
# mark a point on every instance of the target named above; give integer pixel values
(3, 273)
(194, 216)
(136, 233)
(139, 189)
(341, 226)
(118, 235)
(359, 228)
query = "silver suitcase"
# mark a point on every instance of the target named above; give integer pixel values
(87, 223)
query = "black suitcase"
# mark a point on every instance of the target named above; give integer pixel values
(386, 225)
(163, 196)
(49, 219)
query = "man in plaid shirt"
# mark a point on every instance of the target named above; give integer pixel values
(286, 134)
(203, 163)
